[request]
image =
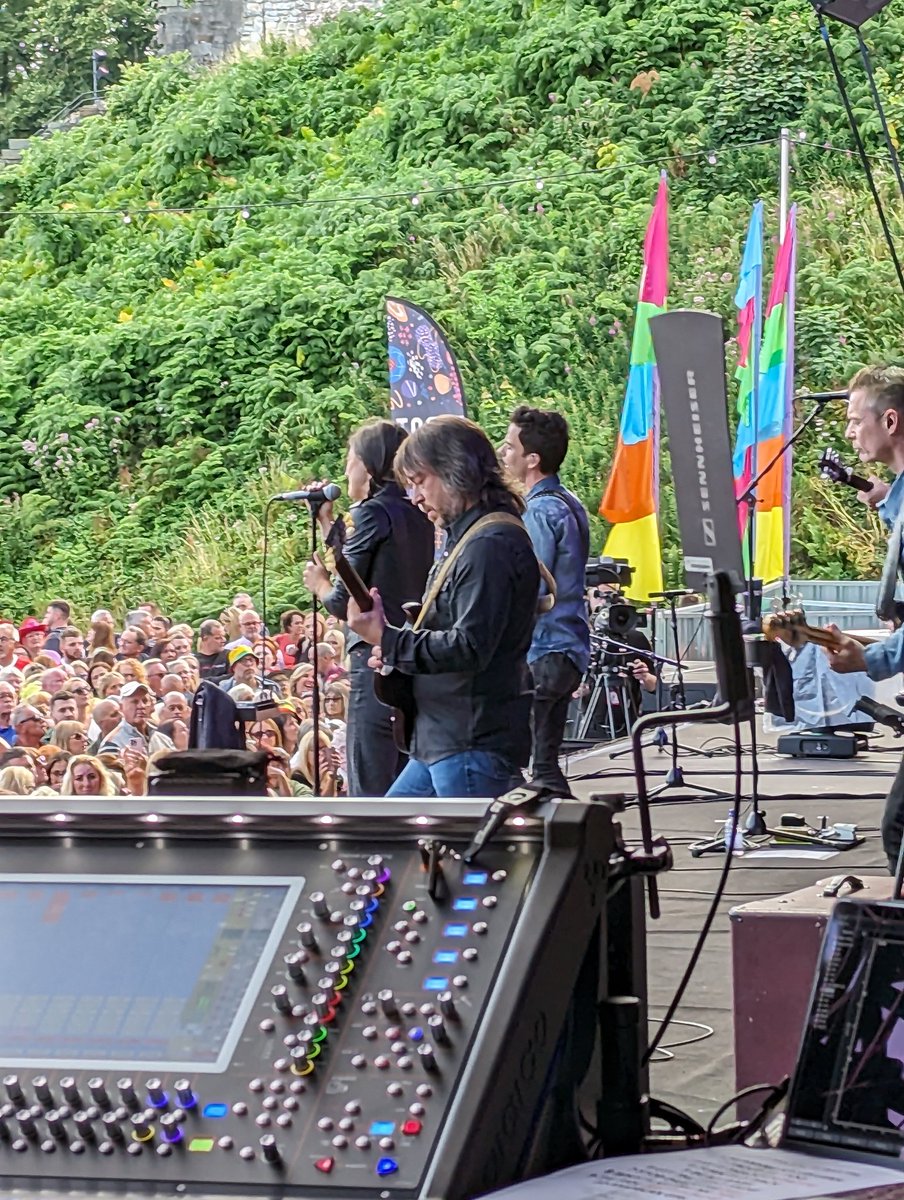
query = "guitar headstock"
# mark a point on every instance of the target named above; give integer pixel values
(336, 537)
(832, 466)
(789, 627)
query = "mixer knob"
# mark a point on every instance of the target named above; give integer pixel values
(319, 904)
(13, 1087)
(480, 928)
(419, 917)
(281, 998)
(388, 1003)
(438, 1031)
(489, 901)
(427, 1057)
(169, 1129)
(42, 1090)
(84, 1126)
(338, 866)
(157, 1097)
(404, 957)
(306, 935)
(299, 1056)
(26, 1123)
(469, 954)
(295, 965)
(321, 1003)
(375, 861)
(412, 937)
(369, 876)
(141, 1127)
(112, 1127)
(460, 981)
(394, 947)
(98, 1090)
(447, 1005)
(127, 1091)
(269, 1149)
(55, 1124)
(70, 1090)
(184, 1093)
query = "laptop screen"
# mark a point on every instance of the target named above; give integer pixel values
(848, 1089)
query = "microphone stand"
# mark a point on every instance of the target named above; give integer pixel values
(314, 507)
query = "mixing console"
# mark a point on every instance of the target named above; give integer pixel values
(267, 998)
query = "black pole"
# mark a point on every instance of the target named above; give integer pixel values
(782, 451)
(315, 662)
(880, 109)
(861, 149)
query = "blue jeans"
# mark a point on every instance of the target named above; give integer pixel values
(473, 773)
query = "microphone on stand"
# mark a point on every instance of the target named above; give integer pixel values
(317, 495)
(822, 397)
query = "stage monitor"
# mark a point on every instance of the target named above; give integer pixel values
(850, 12)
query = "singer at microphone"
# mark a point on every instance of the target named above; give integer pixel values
(315, 495)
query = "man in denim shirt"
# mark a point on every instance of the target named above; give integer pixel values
(535, 445)
(875, 429)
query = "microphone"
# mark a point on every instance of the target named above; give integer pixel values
(318, 495)
(881, 713)
(822, 397)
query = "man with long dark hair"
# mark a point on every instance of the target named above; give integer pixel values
(391, 548)
(466, 656)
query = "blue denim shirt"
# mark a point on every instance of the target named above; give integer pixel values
(886, 658)
(560, 532)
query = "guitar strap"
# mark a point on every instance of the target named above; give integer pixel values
(886, 608)
(544, 604)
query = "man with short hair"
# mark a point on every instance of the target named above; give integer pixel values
(250, 627)
(154, 672)
(72, 645)
(31, 636)
(179, 644)
(212, 656)
(535, 446)
(63, 707)
(54, 679)
(7, 704)
(242, 601)
(56, 618)
(9, 657)
(132, 643)
(106, 716)
(135, 730)
(30, 725)
(468, 659)
(174, 708)
(139, 618)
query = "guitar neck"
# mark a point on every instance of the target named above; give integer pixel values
(796, 632)
(355, 585)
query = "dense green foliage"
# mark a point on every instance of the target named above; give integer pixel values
(46, 48)
(158, 376)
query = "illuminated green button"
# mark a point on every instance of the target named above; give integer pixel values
(204, 1145)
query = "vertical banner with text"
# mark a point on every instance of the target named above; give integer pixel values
(424, 379)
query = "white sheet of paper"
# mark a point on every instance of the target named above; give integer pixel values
(720, 1173)
(792, 852)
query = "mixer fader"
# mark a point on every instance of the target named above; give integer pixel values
(268, 998)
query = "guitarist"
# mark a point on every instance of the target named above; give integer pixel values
(467, 659)
(875, 428)
(391, 548)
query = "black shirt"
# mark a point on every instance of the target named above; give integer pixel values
(213, 666)
(468, 661)
(391, 548)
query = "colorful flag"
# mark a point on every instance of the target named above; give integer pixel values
(424, 380)
(776, 415)
(749, 303)
(631, 499)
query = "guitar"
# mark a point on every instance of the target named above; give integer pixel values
(791, 628)
(392, 688)
(832, 466)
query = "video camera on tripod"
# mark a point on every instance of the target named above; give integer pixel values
(615, 616)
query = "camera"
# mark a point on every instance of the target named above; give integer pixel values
(617, 616)
(617, 572)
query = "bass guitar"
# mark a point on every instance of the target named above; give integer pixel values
(392, 688)
(832, 466)
(791, 628)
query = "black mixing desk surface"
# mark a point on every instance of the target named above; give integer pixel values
(267, 998)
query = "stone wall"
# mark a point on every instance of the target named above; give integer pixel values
(210, 29)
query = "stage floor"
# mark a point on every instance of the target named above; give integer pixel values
(699, 1074)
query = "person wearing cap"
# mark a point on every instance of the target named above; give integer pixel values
(135, 730)
(31, 636)
(243, 668)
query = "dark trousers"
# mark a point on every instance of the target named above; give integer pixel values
(555, 678)
(893, 819)
(372, 759)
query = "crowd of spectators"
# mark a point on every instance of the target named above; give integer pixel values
(87, 710)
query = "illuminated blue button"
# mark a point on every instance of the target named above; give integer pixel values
(416, 1034)
(475, 878)
(456, 931)
(387, 1166)
(436, 983)
(446, 956)
(382, 1129)
(465, 904)
(215, 1110)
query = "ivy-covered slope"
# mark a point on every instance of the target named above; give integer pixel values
(158, 374)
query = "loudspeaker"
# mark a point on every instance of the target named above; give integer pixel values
(210, 773)
(850, 12)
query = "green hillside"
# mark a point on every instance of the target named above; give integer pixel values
(191, 287)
